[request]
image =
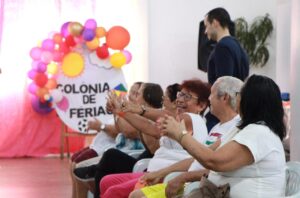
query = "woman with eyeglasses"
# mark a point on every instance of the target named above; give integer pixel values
(253, 161)
(191, 101)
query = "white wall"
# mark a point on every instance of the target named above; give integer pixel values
(173, 35)
(295, 83)
(283, 42)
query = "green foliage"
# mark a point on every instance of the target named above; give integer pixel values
(254, 38)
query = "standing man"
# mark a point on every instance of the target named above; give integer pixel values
(228, 58)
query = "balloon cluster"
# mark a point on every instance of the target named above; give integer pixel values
(57, 55)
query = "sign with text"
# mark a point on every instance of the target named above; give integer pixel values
(84, 97)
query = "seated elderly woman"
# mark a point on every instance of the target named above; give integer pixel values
(253, 162)
(191, 101)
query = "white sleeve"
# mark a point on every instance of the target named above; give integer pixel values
(259, 139)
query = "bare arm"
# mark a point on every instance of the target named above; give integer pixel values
(229, 157)
(148, 112)
(124, 127)
(142, 124)
(110, 129)
(156, 176)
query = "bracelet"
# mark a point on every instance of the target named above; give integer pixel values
(121, 114)
(143, 110)
(184, 132)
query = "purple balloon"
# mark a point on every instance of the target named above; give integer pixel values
(41, 67)
(88, 34)
(64, 30)
(42, 108)
(90, 24)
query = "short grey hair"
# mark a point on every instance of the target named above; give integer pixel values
(231, 86)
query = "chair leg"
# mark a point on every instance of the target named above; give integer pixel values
(68, 146)
(62, 144)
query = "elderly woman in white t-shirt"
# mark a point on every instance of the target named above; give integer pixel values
(253, 162)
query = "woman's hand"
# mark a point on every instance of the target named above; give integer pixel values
(131, 107)
(170, 127)
(174, 186)
(151, 178)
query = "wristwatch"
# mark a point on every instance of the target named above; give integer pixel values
(102, 127)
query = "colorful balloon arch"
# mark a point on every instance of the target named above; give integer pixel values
(59, 55)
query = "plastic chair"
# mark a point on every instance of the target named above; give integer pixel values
(141, 165)
(292, 179)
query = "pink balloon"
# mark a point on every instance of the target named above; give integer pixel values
(36, 53)
(57, 56)
(48, 44)
(31, 74)
(46, 57)
(90, 24)
(128, 56)
(32, 88)
(63, 104)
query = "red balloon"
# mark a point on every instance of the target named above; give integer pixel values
(102, 52)
(40, 79)
(70, 41)
(117, 38)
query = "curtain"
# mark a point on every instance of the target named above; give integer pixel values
(24, 23)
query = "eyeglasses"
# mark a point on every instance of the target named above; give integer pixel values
(186, 96)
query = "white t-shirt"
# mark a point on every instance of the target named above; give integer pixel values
(102, 141)
(171, 151)
(225, 131)
(266, 176)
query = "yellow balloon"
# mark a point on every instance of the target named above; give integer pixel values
(72, 64)
(118, 59)
(52, 68)
(93, 44)
(100, 32)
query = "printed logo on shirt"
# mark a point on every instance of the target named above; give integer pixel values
(213, 136)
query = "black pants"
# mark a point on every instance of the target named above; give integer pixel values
(115, 161)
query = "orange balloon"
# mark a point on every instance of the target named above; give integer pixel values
(51, 84)
(93, 44)
(100, 32)
(41, 92)
(117, 38)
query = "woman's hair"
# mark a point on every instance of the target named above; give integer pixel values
(261, 101)
(152, 94)
(172, 91)
(221, 15)
(231, 86)
(138, 83)
(201, 89)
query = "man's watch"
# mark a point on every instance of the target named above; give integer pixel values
(102, 127)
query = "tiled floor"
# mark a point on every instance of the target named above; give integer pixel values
(35, 178)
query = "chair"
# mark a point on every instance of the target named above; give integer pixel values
(292, 179)
(66, 132)
(141, 165)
